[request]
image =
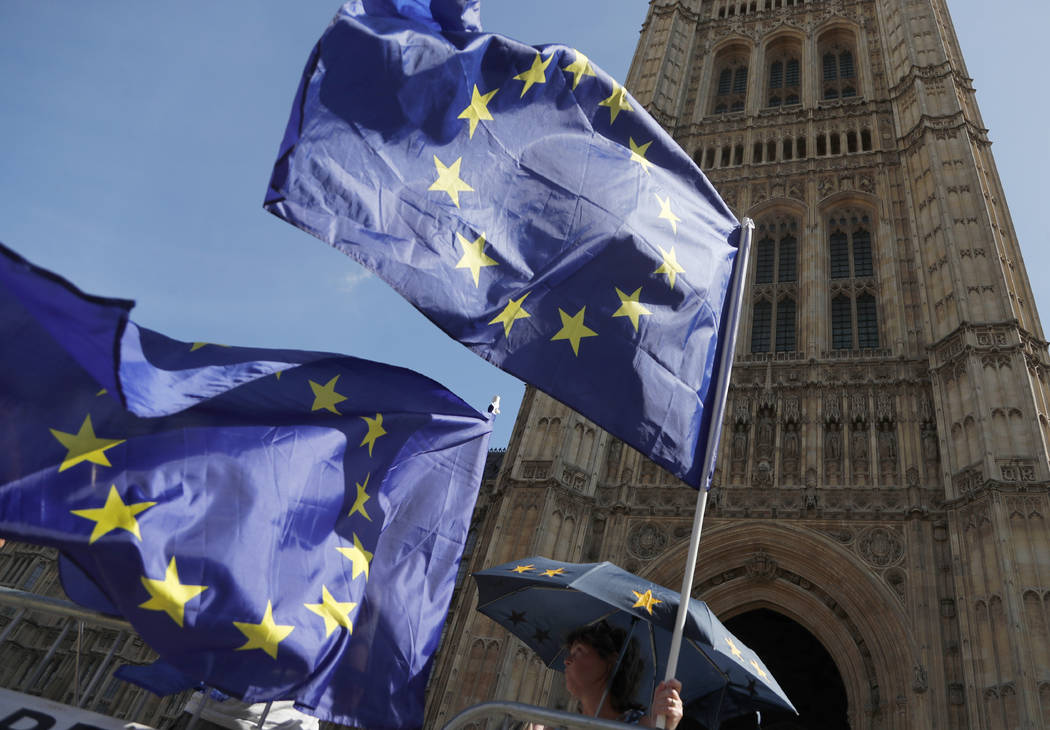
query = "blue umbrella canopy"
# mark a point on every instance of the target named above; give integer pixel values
(540, 601)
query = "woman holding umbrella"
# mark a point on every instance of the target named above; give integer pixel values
(603, 675)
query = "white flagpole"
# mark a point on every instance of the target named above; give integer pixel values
(735, 297)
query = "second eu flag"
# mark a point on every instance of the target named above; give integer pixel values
(526, 204)
(275, 523)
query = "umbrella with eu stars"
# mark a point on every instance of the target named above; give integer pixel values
(540, 601)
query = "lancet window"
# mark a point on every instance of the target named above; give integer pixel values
(774, 307)
(838, 68)
(730, 81)
(854, 314)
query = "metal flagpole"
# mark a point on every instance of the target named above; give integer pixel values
(735, 298)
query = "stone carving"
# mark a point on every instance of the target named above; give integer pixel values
(859, 452)
(832, 453)
(761, 567)
(742, 410)
(880, 547)
(858, 407)
(792, 410)
(646, 540)
(884, 410)
(832, 409)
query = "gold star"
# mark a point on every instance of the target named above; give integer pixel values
(170, 595)
(477, 109)
(265, 635)
(638, 154)
(278, 374)
(630, 306)
(669, 266)
(101, 392)
(519, 569)
(536, 73)
(645, 600)
(375, 430)
(114, 515)
(617, 102)
(198, 345)
(362, 497)
(510, 313)
(573, 329)
(579, 68)
(553, 572)
(84, 445)
(449, 181)
(474, 256)
(325, 396)
(666, 212)
(733, 649)
(333, 612)
(758, 669)
(358, 557)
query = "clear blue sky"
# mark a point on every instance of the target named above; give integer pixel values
(139, 138)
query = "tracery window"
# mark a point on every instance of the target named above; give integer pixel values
(730, 87)
(838, 71)
(854, 315)
(774, 307)
(783, 83)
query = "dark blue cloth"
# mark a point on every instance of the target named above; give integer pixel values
(269, 483)
(484, 178)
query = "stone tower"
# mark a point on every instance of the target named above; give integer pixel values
(878, 526)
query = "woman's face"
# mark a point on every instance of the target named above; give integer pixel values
(585, 670)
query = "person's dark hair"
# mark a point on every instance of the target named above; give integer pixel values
(607, 641)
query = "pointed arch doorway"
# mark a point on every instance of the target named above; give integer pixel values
(803, 668)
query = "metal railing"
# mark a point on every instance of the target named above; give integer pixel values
(509, 715)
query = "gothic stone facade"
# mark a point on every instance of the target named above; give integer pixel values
(883, 474)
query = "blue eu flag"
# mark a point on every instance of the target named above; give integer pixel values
(525, 203)
(275, 523)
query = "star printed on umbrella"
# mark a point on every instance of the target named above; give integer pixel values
(758, 669)
(541, 636)
(645, 600)
(732, 648)
(553, 572)
(519, 569)
(517, 617)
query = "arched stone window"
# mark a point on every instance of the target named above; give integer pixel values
(784, 73)
(730, 80)
(774, 307)
(851, 269)
(838, 51)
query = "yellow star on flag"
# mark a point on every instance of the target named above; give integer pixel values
(552, 572)
(325, 396)
(115, 515)
(645, 600)
(617, 102)
(667, 213)
(477, 110)
(84, 445)
(733, 649)
(638, 154)
(630, 306)
(511, 312)
(358, 557)
(573, 329)
(449, 180)
(537, 73)
(170, 595)
(334, 613)
(375, 430)
(758, 669)
(519, 569)
(101, 392)
(265, 635)
(362, 497)
(474, 257)
(669, 266)
(579, 68)
(198, 345)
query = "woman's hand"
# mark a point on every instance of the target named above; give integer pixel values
(666, 702)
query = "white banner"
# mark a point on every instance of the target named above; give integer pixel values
(20, 711)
